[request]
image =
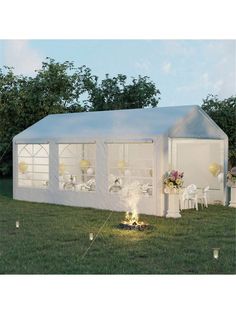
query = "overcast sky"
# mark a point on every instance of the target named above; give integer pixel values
(185, 71)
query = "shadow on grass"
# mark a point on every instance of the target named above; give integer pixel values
(6, 187)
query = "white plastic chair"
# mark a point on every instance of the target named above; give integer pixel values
(203, 197)
(190, 196)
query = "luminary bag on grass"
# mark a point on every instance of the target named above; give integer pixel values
(216, 253)
(91, 236)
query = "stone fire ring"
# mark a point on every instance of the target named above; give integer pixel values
(126, 226)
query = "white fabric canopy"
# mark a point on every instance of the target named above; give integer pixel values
(173, 121)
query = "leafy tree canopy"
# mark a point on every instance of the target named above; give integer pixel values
(116, 93)
(223, 112)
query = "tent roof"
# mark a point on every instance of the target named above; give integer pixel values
(181, 121)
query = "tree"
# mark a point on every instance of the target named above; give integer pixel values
(223, 112)
(56, 88)
(9, 94)
(116, 93)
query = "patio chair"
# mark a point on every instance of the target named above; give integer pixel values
(203, 196)
(190, 196)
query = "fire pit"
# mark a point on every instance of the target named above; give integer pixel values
(135, 226)
(131, 195)
(132, 222)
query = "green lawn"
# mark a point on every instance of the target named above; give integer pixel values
(52, 240)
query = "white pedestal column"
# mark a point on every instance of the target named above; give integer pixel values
(173, 206)
(232, 202)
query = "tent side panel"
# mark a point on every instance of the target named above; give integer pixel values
(100, 198)
(194, 156)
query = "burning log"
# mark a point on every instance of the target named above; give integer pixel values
(132, 222)
(133, 226)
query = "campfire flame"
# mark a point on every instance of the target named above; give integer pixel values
(131, 197)
(131, 218)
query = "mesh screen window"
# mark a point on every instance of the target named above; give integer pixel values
(33, 165)
(129, 163)
(77, 167)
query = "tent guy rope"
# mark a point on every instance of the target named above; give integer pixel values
(99, 231)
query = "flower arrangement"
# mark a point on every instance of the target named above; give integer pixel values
(173, 181)
(231, 177)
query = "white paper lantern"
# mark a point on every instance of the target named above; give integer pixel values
(90, 171)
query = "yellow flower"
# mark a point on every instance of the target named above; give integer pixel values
(170, 185)
(178, 181)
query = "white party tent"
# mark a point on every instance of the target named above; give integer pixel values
(86, 159)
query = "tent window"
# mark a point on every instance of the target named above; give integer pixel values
(129, 163)
(33, 165)
(77, 167)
